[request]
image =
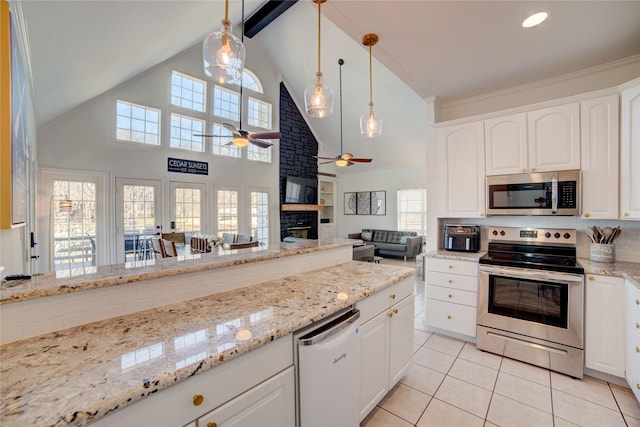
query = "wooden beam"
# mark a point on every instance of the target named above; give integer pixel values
(265, 15)
(300, 207)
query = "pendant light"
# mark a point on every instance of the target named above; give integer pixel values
(223, 53)
(318, 98)
(370, 125)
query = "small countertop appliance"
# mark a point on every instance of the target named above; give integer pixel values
(461, 238)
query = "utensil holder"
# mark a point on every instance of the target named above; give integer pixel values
(602, 252)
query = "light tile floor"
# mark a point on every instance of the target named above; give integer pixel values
(451, 383)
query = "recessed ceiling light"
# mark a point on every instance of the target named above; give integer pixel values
(535, 19)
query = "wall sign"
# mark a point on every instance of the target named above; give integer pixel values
(187, 166)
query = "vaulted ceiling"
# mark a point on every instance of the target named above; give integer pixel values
(450, 49)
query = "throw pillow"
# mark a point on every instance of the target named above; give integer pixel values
(366, 236)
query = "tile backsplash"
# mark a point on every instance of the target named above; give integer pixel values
(627, 244)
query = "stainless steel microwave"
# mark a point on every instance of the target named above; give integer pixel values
(545, 193)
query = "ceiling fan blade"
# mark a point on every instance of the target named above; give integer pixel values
(350, 163)
(261, 144)
(326, 163)
(354, 159)
(231, 128)
(326, 158)
(206, 135)
(266, 135)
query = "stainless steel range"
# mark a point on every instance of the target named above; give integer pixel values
(531, 298)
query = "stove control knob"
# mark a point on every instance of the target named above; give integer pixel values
(556, 235)
(567, 235)
(547, 234)
(495, 232)
(502, 233)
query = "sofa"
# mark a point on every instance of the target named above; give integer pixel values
(391, 243)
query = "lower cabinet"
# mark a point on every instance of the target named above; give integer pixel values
(632, 331)
(604, 324)
(270, 404)
(452, 295)
(386, 342)
(256, 386)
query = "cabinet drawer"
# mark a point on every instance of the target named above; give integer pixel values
(456, 281)
(455, 296)
(452, 317)
(381, 301)
(466, 268)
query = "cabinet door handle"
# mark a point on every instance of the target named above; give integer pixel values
(592, 278)
(586, 215)
(450, 296)
(212, 424)
(638, 302)
(449, 317)
(637, 349)
(393, 296)
(533, 169)
(450, 281)
(451, 266)
(389, 315)
(637, 325)
(395, 311)
(624, 214)
(198, 399)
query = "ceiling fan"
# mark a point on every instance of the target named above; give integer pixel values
(241, 138)
(344, 159)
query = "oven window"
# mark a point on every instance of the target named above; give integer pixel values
(532, 300)
(520, 196)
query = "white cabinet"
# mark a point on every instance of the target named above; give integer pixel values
(630, 154)
(599, 157)
(505, 142)
(270, 404)
(464, 177)
(327, 216)
(632, 331)
(452, 295)
(554, 138)
(386, 341)
(604, 324)
(260, 383)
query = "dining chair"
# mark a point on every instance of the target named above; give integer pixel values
(200, 245)
(175, 237)
(169, 248)
(253, 244)
(157, 248)
(243, 238)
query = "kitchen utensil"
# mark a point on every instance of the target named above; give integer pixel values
(606, 234)
(589, 232)
(596, 234)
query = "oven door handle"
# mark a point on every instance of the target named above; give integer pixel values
(532, 274)
(554, 195)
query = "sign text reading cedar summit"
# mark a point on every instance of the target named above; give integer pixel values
(187, 166)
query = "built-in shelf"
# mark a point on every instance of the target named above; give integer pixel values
(300, 207)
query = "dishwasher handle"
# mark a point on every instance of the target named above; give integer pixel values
(330, 328)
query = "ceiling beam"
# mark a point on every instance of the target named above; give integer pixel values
(265, 15)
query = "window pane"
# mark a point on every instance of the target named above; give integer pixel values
(187, 92)
(137, 123)
(227, 211)
(188, 210)
(259, 154)
(182, 133)
(226, 103)
(260, 217)
(259, 113)
(412, 210)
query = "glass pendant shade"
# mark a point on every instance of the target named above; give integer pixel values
(318, 100)
(370, 125)
(223, 55)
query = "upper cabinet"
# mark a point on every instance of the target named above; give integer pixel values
(505, 142)
(464, 175)
(599, 154)
(554, 138)
(630, 154)
(537, 141)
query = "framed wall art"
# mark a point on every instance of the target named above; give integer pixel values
(378, 203)
(350, 203)
(363, 205)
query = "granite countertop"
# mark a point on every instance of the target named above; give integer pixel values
(628, 270)
(75, 376)
(456, 256)
(75, 280)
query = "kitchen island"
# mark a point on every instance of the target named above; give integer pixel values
(68, 298)
(77, 375)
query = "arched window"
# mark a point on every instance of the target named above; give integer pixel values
(250, 81)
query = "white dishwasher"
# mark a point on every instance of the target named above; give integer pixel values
(327, 372)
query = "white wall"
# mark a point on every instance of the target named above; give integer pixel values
(389, 180)
(84, 141)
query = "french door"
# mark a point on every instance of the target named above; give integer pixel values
(187, 208)
(138, 217)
